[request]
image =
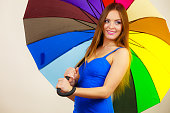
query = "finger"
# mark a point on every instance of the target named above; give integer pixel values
(67, 71)
(72, 74)
(71, 79)
(75, 75)
(74, 71)
(58, 85)
(60, 79)
(70, 68)
(65, 80)
(69, 75)
(66, 74)
(77, 69)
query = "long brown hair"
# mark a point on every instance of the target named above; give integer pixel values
(121, 41)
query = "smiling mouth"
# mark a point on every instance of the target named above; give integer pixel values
(111, 32)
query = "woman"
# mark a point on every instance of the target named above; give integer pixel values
(105, 66)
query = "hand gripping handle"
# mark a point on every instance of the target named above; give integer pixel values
(68, 93)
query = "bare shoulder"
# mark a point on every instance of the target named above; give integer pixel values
(122, 53)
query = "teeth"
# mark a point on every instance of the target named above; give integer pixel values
(111, 31)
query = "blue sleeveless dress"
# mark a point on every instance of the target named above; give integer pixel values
(93, 75)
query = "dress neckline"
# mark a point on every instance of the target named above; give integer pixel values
(98, 58)
(104, 56)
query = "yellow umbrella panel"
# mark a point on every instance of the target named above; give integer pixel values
(152, 80)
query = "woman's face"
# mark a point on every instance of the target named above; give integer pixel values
(112, 25)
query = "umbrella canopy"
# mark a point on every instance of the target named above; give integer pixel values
(59, 32)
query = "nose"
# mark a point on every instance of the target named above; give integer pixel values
(111, 25)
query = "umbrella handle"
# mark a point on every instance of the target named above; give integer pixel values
(68, 93)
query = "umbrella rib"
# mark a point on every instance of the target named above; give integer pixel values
(147, 72)
(134, 90)
(129, 5)
(87, 16)
(84, 23)
(85, 31)
(101, 5)
(91, 8)
(133, 53)
(66, 51)
(149, 34)
(135, 32)
(136, 45)
(95, 8)
(139, 45)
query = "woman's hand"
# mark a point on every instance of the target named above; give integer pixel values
(64, 85)
(73, 74)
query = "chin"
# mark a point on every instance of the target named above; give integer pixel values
(111, 37)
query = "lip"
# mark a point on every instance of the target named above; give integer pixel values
(111, 32)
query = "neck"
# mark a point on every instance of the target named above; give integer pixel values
(108, 43)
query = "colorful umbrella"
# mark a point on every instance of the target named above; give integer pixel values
(59, 32)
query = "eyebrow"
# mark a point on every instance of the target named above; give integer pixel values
(116, 19)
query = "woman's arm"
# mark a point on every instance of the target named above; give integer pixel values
(114, 77)
(71, 97)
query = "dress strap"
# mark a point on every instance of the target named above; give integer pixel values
(113, 51)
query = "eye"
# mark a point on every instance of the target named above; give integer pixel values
(118, 22)
(106, 21)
